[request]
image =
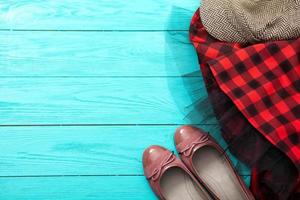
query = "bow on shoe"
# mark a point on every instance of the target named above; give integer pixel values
(187, 151)
(157, 171)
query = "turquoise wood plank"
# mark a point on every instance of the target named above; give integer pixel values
(85, 150)
(76, 188)
(90, 54)
(96, 15)
(103, 101)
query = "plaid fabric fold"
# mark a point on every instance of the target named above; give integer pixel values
(254, 90)
(263, 81)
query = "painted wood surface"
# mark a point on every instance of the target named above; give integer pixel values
(103, 101)
(96, 14)
(166, 53)
(85, 86)
(77, 188)
(80, 150)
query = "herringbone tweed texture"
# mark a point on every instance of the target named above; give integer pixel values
(251, 21)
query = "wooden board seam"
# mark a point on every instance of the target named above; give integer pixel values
(50, 125)
(80, 175)
(94, 30)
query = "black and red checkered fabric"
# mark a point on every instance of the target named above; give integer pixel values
(263, 81)
(255, 91)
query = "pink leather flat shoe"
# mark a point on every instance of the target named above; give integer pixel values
(211, 166)
(169, 178)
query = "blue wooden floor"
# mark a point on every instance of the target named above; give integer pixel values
(86, 86)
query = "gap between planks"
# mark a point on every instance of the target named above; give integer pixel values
(32, 125)
(81, 175)
(92, 30)
(87, 76)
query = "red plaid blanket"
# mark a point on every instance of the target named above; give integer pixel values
(260, 81)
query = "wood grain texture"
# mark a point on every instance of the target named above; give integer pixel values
(103, 101)
(86, 86)
(107, 150)
(96, 15)
(77, 188)
(97, 54)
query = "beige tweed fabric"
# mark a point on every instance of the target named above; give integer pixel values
(251, 21)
